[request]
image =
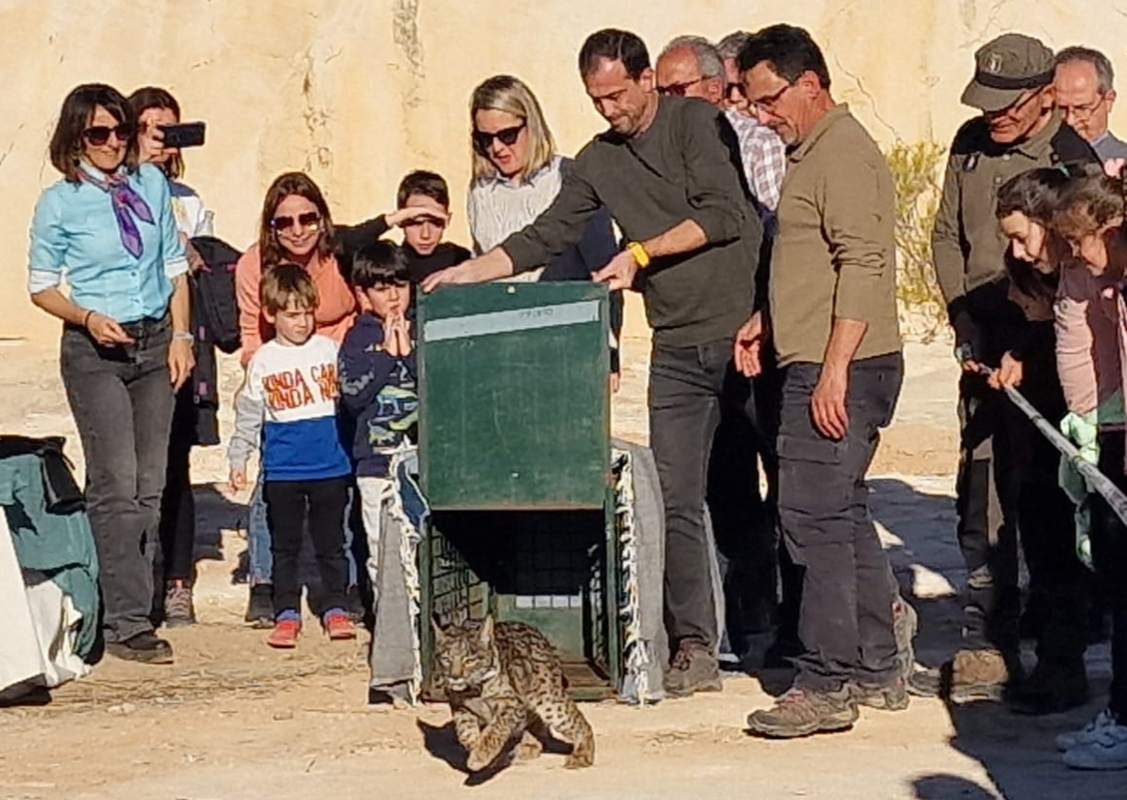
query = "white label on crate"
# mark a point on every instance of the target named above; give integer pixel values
(521, 319)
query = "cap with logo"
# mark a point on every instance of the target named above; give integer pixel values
(1005, 69)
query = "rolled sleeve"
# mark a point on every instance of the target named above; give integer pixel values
(48, 246)
(172, 246)
(856, 207)
(713, 185)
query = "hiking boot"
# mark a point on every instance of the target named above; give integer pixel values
(970, 675)
(260, 608)
(1050, 689)
(905, 623)
(179, 609)
(1106, 750)
(145, 648)
(693, 669)
(1087, 734)
(285, 634)
(338, 625)
(802, 712)
(889, 697)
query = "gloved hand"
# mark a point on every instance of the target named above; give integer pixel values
(1083, 431)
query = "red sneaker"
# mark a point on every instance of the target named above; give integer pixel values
(285, 634)
(339, 626)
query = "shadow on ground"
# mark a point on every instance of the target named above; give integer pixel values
(1018, 752)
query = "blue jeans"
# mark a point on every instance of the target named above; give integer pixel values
(261, 561)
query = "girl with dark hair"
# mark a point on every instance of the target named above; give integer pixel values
(1091, 352)
(109, 231)
(1056, 609)
(154, 107)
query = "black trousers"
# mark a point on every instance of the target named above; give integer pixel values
(744, 521)
(1109, 556)
(121, 399)
(178, 505)
(691, 391)
(1006, 486)
(289, 505)
(845, 618)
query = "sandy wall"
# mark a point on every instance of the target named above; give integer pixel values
(357, 93)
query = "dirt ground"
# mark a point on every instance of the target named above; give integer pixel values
(233, 719)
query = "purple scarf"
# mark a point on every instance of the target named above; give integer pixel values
(126, 204)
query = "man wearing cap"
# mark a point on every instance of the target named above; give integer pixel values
(997, 325)
(1085, 92)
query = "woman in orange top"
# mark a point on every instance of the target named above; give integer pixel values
(296, 227)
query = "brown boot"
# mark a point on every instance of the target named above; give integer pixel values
(976, 675)
(694, 669)
(802, 712)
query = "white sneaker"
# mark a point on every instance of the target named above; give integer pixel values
(1107, 751)
(1085, 735)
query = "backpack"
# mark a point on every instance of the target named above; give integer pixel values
(213, 292)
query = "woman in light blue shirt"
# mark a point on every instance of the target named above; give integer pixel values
(107, 229)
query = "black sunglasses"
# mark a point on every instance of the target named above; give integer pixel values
(308, 220)
(678, 89)
(482, 140)
(98, 135)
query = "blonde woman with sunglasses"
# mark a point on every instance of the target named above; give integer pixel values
(517, 174)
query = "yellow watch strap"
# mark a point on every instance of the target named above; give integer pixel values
(639, 252)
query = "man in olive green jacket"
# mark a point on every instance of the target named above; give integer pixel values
(1007, 472)
(833, 312)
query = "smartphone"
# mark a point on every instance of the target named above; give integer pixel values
(187, 134)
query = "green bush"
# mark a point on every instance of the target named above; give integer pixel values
(916, 175)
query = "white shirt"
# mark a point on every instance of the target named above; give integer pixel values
(192, 218)
(498, 207)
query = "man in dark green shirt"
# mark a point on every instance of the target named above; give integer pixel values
(668, 171)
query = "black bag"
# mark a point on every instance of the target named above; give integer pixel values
(61, 492)
(214, 292)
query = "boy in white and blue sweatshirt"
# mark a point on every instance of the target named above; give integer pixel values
(288, 404)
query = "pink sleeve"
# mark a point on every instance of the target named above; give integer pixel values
(1075, 361)
(248, 277)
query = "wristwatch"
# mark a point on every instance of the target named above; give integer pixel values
(638, 250)
(183, 336)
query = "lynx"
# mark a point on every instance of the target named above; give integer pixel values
(504, 683)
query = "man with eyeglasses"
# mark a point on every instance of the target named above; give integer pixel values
(690, 66)
(1085, 94)
(1003, 480)
(729, 49)
(743, 527)
(666, 174)
(836, 338)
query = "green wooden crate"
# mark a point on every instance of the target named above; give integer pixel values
(514, 400)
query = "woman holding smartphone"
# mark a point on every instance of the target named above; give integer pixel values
(154, 109)
(109, 230)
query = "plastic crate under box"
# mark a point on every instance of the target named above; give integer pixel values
(559, 571)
